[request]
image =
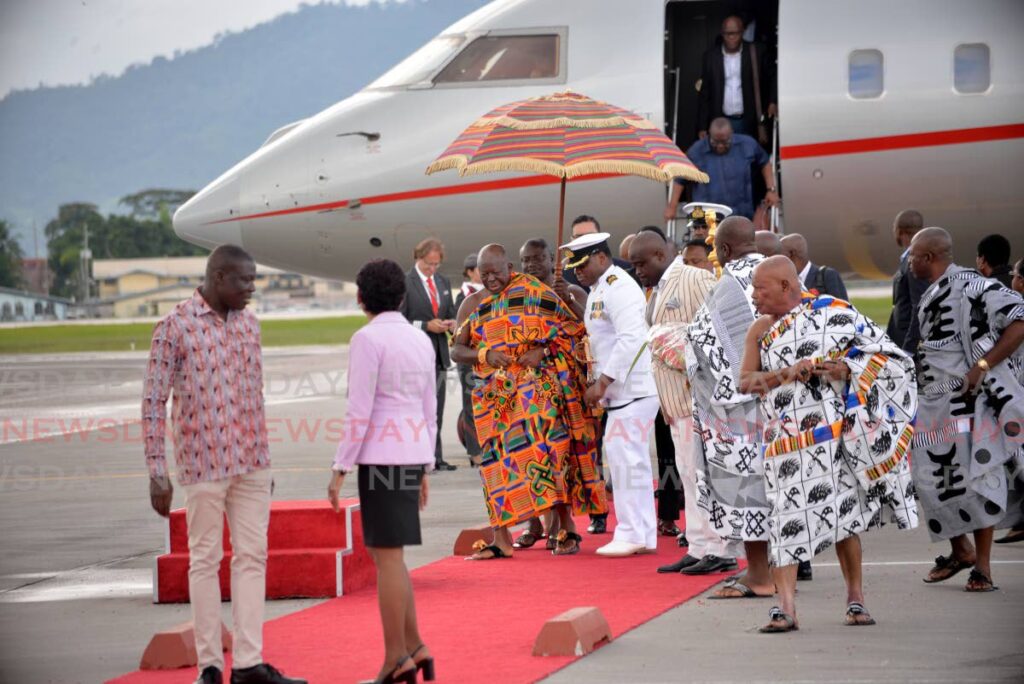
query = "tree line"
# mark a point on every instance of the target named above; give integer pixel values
(145, 231)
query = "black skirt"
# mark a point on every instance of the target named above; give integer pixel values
(389, 500)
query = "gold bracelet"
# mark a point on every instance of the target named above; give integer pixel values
(481, 356)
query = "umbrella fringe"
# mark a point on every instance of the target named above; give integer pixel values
(563, 122)
(454, 161)
(590, 168)
(628, 168)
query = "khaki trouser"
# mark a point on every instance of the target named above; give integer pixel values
(246, 500)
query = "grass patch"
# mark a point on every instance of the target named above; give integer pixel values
(875, 308)
(52, 339)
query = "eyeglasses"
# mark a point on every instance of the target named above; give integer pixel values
(719, 143)
(732, 33)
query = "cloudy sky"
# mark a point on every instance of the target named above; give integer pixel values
(57, 42)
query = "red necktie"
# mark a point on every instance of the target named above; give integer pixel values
(433, 295)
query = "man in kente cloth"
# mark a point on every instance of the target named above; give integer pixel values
(727, 453)
(839, 399)
(968, 452)
(538, 438)
(536, 259)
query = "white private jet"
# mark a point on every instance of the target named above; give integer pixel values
(883, 105)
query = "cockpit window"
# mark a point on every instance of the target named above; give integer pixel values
(420, 65)
(504, 58)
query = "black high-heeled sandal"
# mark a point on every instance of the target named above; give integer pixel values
(396, 677)
(427, 664)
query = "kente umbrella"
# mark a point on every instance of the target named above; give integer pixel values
(566, 135)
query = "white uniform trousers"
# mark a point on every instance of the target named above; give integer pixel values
(627, 438)
(702, 537)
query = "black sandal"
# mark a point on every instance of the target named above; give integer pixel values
(776, 615)
(480, 546)
(426, 665)
(526, 540)
(854, 611)
(563, 540)
(950, 564)
(982, 583)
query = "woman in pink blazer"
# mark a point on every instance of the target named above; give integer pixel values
(389, 432)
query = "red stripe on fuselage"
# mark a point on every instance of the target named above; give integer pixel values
(824, 149)
(466, 188)
(901, 142)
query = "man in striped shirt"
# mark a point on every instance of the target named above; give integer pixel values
(207, 350)
(678, 292)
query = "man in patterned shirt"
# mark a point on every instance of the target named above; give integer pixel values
(208, 351)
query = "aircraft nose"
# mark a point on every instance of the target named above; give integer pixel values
(211, 217)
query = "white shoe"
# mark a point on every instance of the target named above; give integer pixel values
(620, 549)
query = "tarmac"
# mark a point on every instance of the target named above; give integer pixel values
(79, 542)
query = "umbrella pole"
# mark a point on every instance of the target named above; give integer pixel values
(561, 224)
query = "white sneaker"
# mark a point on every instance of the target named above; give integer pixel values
(619, 549)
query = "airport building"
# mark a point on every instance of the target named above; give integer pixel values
(24, 306)
(139, 288)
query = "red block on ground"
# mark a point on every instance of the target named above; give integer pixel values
(313, 552)
(176, 647)
(464, 542)
(576, 632)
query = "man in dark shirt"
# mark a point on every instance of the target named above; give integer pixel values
(903, 328)
(727, 158)
(993, 260)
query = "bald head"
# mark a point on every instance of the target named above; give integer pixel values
(931, 253)
(734, 238)
(650, 256)
(794, 246)
(624, 246)
(776, 286)
(906, 224)
(495, 268)
(768, 243)
(720, 125)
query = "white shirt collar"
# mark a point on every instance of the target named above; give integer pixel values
(424, 278)
(803, 273)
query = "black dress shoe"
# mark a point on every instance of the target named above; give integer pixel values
(598, 524)
(709, 564)
(668, 528)
(444, 465)
(684, 562)
(804, 572)
(209, 675)
(264, 673)
(682, 540)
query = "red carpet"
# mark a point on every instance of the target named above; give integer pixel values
(479, 618)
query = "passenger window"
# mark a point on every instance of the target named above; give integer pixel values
(504, 58)
(867, 74)
(971, 72)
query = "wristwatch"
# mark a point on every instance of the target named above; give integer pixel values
(772, 189)
(983, 365)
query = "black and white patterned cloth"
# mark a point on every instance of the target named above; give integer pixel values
(836, 451)
(730, 471)
(968, 448)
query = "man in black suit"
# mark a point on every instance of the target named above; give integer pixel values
(727, 83)
(903, 328)
(822, 279)
(428, 305)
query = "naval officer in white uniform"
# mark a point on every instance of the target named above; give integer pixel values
(614, 316)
